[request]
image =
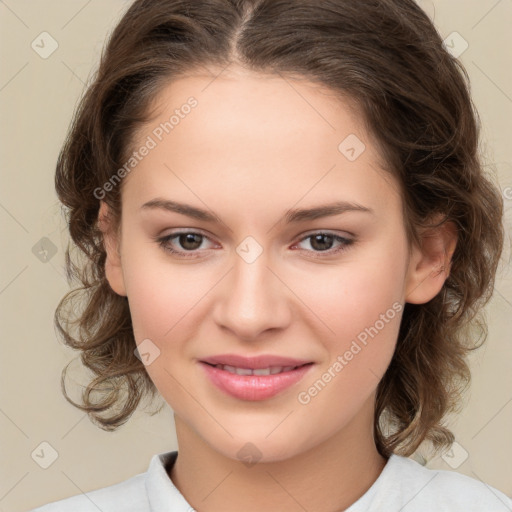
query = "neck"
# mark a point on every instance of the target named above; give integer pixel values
(331, 476)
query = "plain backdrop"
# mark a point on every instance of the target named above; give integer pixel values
(38, 94)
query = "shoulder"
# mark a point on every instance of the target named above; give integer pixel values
(129, 495)
(420, 489)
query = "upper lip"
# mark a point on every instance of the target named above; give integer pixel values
(262, 361)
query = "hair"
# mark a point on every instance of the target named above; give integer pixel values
(414, 98)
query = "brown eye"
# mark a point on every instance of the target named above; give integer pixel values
(184, 244)
(189, 241)
(324, 242)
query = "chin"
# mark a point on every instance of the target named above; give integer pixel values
(257, 449)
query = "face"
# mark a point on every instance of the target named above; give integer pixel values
(255, 275)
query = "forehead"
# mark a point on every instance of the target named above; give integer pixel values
(265, 136)
(259, 105)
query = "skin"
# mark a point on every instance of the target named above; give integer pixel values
(255, 147)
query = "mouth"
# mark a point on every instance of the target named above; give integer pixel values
(271, 370)
(254, 384)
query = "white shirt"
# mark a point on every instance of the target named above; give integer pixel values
(404, 485)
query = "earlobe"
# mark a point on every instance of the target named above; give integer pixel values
(111, 242)
(429, 265)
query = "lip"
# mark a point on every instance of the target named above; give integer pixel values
(254, 387)
(255, 362)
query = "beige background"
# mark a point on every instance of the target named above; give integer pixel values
(37, 97)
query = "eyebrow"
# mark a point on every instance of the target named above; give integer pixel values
(291, 216)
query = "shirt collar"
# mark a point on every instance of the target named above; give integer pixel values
(162, 493)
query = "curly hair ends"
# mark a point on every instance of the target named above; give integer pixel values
(388, 60)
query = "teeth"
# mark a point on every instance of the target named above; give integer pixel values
(238, 371)
(257, 371)
(262, 371)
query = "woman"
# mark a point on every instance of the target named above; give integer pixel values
(288, 233)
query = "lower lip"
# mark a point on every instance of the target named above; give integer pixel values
(254, 387)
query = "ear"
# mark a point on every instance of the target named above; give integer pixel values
(429, 264)
(111, 242)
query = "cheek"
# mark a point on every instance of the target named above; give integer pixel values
(161, 304)
(360, 305)
(161, 294)
(353, 295)
(161, 300)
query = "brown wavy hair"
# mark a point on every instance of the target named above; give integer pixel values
(414, 97)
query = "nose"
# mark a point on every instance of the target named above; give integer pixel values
(253, 299)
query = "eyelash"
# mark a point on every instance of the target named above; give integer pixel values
(164, 244)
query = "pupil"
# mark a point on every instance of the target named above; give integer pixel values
(318, 238)
(191, 238)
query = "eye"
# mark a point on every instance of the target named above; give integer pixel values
(190, 241)
(322, 242)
